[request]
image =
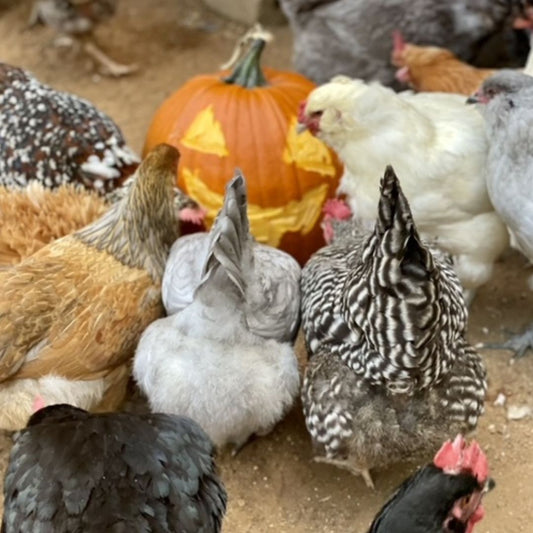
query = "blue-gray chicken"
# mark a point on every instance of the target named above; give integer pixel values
(390, 373)
(507, 105)
(212, 360)
(74, 471)
(272, 282)
(354, 37)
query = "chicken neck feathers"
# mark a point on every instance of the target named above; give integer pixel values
(139, 230)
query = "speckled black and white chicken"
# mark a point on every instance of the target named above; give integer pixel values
(70, 470)
(75, 21)
(390, 374)
(55, 137)
(213, 361)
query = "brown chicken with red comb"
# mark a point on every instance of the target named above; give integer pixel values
(443, 497)
(434, 69)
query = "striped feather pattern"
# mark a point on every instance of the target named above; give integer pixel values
(385, 323)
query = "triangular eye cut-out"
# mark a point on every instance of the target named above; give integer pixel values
(205, 134)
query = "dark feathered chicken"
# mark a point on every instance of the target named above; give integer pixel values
(352, 37)
(442, 497)
(56, 137)
(71, 471)
(76, 20)
(390, 372)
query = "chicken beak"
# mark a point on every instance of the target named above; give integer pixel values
(301, 127)
(473, 99)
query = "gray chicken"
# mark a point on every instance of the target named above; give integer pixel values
(390, 373)
(211, 360)
(75, 21)
(354, 37)
(507, 105)
(272, 282)
(74, 471)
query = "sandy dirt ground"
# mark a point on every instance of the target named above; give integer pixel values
(273, 484)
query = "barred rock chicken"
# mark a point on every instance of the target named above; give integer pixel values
(33, 216)
(70, 470)
(352, 37)
(55, 137)
(272, 299)
(77, 19)
(72, 313)
(506, 101)
(432, 139)
(443, 497)
(390, 373)
(206, 361)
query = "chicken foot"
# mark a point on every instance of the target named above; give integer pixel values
(347, 465)
(519, 343)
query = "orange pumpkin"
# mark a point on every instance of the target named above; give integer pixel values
(248, 119)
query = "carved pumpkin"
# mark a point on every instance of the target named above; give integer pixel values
(247, 119)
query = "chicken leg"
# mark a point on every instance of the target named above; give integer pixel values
(519, 343)
(347, 465)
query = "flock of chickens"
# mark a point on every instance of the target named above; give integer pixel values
(99, 287)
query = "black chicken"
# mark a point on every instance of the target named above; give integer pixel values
(442, 497)
(71, 471)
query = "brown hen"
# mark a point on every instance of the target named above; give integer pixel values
(71, 314)
(434, 69)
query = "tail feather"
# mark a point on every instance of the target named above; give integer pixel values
(229, 246)
(396, 300)
(396, 230)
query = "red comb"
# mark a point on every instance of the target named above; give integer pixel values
(456, 457)
(398, 41)
(301, 111)
(196, 215)
(38, 404)
(337, 209)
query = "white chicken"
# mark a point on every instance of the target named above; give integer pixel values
(435, 141)
(205, 361)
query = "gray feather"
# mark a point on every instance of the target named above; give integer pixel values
(267, 278)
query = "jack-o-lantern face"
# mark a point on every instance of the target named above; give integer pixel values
(221, 123)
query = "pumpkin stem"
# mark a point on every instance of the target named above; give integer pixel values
(248, 71)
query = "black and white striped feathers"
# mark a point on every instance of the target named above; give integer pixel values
(390, 371)
(74, 471)
(56, 137)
